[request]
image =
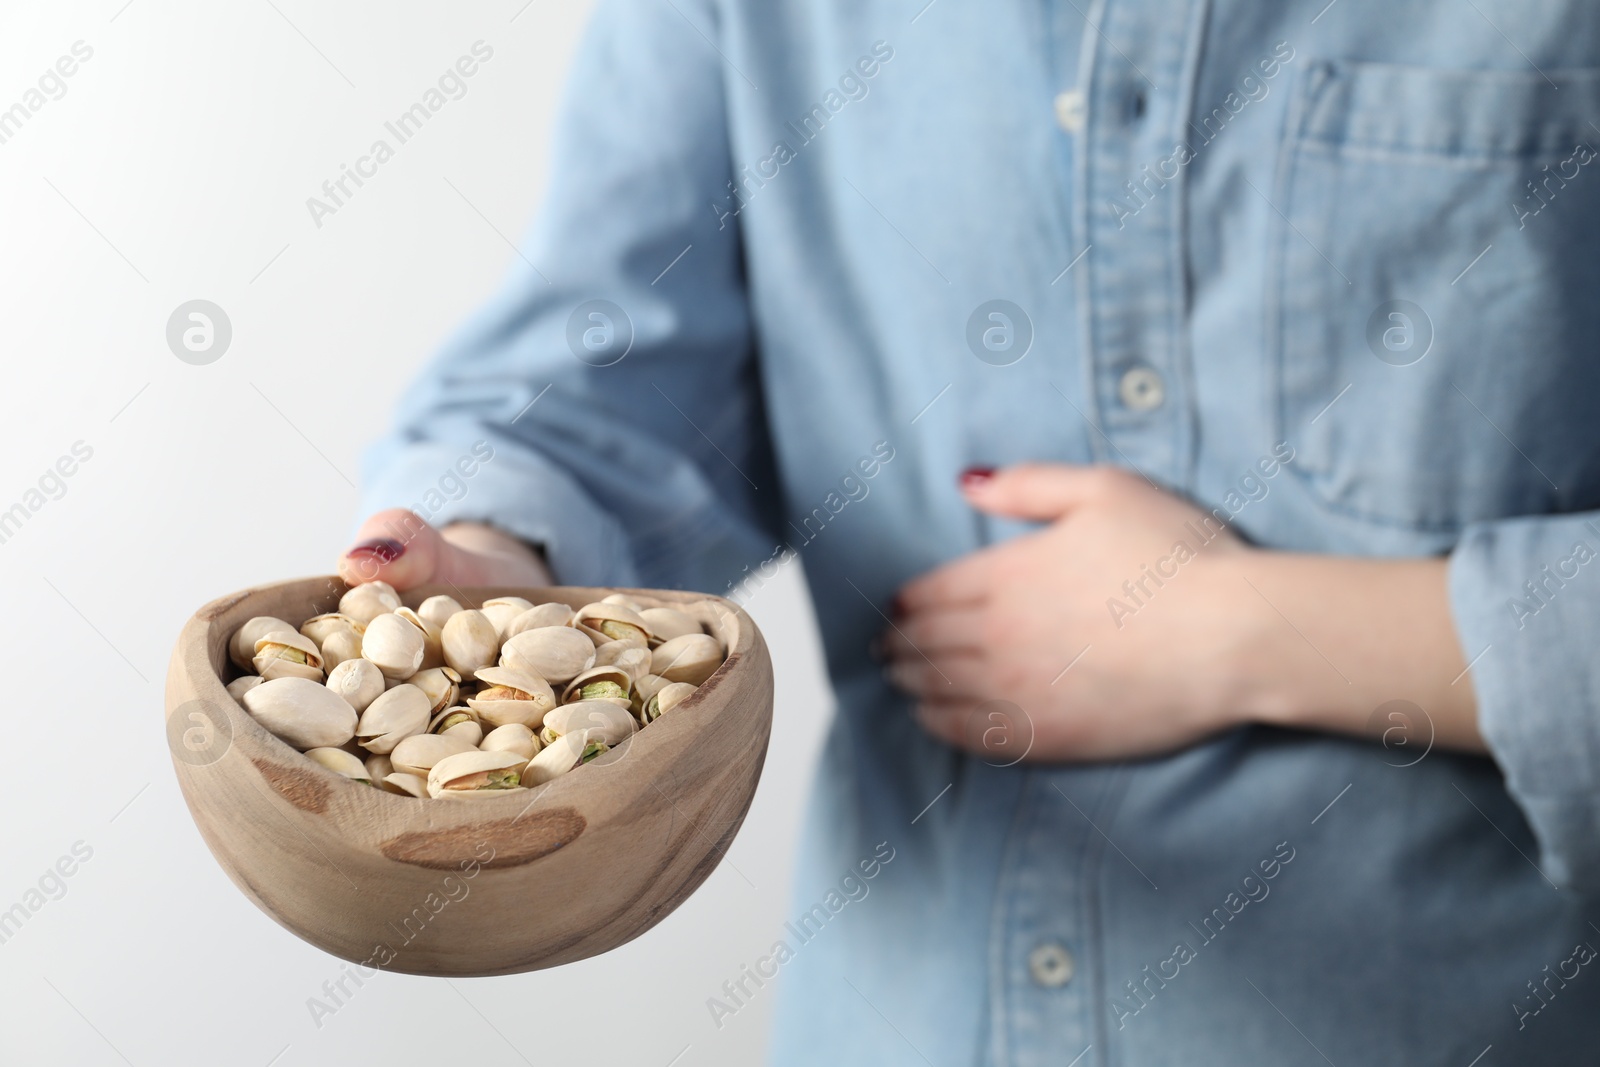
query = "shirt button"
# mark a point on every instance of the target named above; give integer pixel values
(1071, 108)
(1142, 389)
(1050, 964)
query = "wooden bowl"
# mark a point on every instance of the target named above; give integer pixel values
(450, 887)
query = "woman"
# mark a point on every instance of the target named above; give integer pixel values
(1236, 705)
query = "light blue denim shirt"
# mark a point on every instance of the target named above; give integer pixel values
(1360, 234)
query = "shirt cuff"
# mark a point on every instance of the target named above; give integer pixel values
(1525, 596)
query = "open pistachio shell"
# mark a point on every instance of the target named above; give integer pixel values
(664, 700)
(413, 785)
(512, 737)
(418, 753)
(635, 659)
(624, 599)
(304, 713)
(512, 695)
(442, 685)
(367, 601)
(320, 627)
(359, 681)
(242, 645)
(240, 686)
(395, 645)
(555, 653)
(340, 762)
(432, 650)
(459, 720)
(286, 654)
(393, 717)
(438, 609)
(476, 772)
(469, 641)
(691, 658)
(612, 622)
(667, 623)
(502, 609)
(561, 756)
(554, 613)
(606, 721)
(611, 684)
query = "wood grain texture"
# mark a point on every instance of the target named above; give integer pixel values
(468, 887)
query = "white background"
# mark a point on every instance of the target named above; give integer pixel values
(175, 167)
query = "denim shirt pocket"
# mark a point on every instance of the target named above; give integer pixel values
(1431, 302)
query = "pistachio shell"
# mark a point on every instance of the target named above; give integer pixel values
(667, 623)
(378, 767)
(359, 681)
(406, 784)
(442, 685)
(599, 676)
(611, 622)
(624, 599)
(242, 645)
(501, 610)
(393, 717)
(475, 772)
(419, 752)
(340, 646)
(319, 627)
(497, 711)
(286, 654)
(606, 722)
(555, 653)
(554, 613)
(438, 609)
(559, 757)
(367, 601)
(691, 658)
(463, 722)
(432, 650)
(394, 644)
(340, 762)
(512, 737)
(635, 659)
(240, 686)
(302, 712)
(668, 697)
(469, 641)
(647, 686)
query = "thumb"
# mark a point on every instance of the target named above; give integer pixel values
(1037, 491)
(398, 547)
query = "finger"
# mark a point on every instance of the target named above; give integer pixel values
(964, 581)
(1038, 491)
(398, 547)
(947, 721)
(934, 630)
(955, 676)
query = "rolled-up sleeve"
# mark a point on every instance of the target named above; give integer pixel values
(627, 438)
(1525, 594)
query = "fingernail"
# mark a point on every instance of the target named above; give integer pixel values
(973, 477)
(379, 549)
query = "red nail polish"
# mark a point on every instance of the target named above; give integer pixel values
(380, 549)
(975, 476)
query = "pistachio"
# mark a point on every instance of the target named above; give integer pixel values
(341, 645)
(286, 654)
(459, 720)
(664, 700)
(432, 650)
(634, 659)
(502, 609)
(553, 614)
(242, 645)
(469, 641)
(320, 627)
(302, 712)
(555, 653)
(240, 686)
(418, 753)
(340, 762)
(476, 772)
(367, 601)
(512, 695)
(512, 737)
(624, 599)
(561, 756)
(394, 644)
(603, 720)
(378, 767)
(438, 609)
(611, 684)
(412, 785)
(442, 685)
(612, 622)
(393, 717)
(691, 658)
(667, 623)
(359, 681)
